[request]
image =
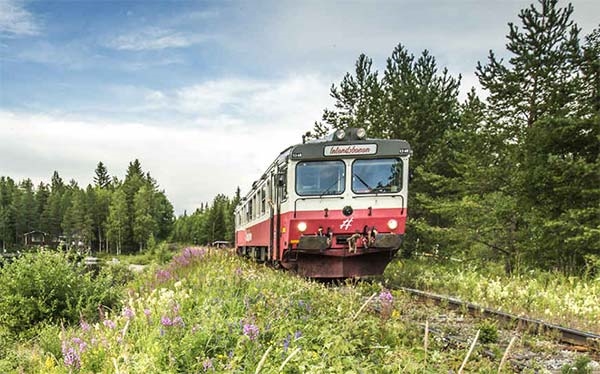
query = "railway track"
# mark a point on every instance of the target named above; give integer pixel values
(582, 339)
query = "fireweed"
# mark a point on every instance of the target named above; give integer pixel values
(217, 320)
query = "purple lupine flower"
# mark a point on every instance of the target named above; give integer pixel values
(385, 297)
(71, 357)
(207, 364)
(182, 260)
(303, 304)
(163, 275)
(166, 321)
(128, 313)
(286, 342)
(84, 326)
(110, 324)
(178, 321)
(297, 335)
(251, 331)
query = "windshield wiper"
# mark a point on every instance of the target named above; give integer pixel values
(363, 182)
(325, 192)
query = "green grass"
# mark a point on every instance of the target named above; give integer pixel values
(210, 311)
(567, 300)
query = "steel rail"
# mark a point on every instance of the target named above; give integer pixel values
(565, 334)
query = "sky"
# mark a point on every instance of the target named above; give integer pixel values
(205, 94)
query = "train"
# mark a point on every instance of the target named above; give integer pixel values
(334, 207)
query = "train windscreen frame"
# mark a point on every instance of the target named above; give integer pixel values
(380, 175)
(319, 178)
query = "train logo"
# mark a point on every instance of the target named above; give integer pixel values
(329, 208)
(346, 224)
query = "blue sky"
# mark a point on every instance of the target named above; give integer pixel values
(205, 94)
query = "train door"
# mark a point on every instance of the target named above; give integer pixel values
(272, 213)
(279, 189)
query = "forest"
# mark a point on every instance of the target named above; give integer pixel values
(111, 216)
(509, 174)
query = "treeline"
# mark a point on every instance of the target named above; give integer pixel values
(208, 223)
(111, 215)
(514, 176)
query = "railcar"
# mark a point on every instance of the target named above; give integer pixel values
(329, 208)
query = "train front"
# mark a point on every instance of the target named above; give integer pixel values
(347, 205)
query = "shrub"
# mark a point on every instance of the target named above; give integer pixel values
(46, 287)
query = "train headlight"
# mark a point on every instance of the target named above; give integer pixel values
(340, 134)
(392, 224)
(302, 226)
(361, 133)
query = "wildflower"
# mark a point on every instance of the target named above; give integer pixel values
(238, 271)
(82, 345)
(176, 308)
(128, 313)
(207, 364)
(251, 331)
(110, 324)
(70, 357)
(297, 335)
(147, 312)
(178, 321)
(163, 275)
(286, 343)
(166, 321)
(385, 297)
(84, 326)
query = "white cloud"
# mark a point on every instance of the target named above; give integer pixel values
(215, 153)
(154, 38)
(16, 20)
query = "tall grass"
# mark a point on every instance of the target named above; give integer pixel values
(552, 296)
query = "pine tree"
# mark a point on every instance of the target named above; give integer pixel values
(7, 212)
(101, 179)
(421, 103)
(358, 101)
(541, 78)
(134, 180)
(25, 207)
(590, 67)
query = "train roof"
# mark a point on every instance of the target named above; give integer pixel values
(356, 148)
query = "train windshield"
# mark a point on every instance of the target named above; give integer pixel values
(317, 178)
(377, 176)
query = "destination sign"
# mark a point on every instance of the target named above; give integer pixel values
(350, 149)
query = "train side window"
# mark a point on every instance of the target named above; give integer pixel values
(249, 213)
(263, 195)
(282, 182)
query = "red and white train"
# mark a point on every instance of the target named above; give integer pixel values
(329, 208)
